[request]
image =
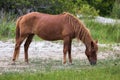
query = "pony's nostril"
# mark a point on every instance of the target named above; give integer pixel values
(93, 63)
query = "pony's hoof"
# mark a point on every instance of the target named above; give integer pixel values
(26, 63)
(65, 65)
(13, 63)
(71, 64)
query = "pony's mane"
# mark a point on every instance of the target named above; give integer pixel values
(81, 32)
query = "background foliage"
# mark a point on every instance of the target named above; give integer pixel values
(116, 9)
(21, 7)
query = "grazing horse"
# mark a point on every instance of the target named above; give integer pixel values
(64, 27)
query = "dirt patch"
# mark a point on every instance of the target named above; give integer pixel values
(45, 51)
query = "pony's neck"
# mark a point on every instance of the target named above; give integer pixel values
(79, 29)
(88, 41)
(84, 35)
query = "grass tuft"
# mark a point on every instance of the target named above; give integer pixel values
(104, 33)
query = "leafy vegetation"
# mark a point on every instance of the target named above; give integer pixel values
(116, 10)
(7, 29)
(7, 25)
(104, 6)
(21, 7)
(88, 12)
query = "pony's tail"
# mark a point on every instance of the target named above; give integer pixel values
(17, 28)
(17, 32)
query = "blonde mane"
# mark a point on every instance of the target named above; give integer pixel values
(81, 32)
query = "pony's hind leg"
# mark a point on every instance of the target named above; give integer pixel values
(26, 46)
(17, 48)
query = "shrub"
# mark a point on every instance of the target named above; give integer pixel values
(88, 11)
(116, 10)
(7, 25)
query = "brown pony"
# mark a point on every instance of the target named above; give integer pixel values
(64, 27)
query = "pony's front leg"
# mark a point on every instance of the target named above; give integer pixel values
(66, 48)
(64, 54)
(69, 52)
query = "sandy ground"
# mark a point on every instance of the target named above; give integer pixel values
(42, 53)
(52, 50)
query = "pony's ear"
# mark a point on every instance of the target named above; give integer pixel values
(92, 44)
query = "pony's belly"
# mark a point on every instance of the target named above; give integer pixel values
(50, 37)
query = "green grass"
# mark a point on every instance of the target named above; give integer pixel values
(105, 70)
(106, 73)
(105, 33)
(7, 30)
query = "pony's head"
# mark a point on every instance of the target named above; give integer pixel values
(91, 52)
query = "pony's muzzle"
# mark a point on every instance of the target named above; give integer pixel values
(93, 62)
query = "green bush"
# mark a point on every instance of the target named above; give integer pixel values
(7, 25)
(21, 7)
(7, 29)
(88, 11)
(116, 10)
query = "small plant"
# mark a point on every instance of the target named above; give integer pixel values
(7, 24)
(7, 29)
(88, 11)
